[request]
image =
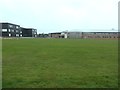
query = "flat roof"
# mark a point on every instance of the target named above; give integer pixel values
(8, 23)
(94, 30)
(56, 33)
(29, 28)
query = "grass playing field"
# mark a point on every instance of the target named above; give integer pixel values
(60, 63)
(0, 63)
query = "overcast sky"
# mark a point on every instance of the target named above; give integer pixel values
(60, 15)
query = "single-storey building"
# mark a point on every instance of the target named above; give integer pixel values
(55, 35)
(83, 35)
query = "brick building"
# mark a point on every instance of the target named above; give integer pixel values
(55, 35)
(100, 35)
(83, 35)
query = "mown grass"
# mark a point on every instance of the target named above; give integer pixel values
(0, 63)
(60, 63)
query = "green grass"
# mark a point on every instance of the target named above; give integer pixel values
(0, 63)
(60, 63)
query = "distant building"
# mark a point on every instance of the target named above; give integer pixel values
(42, 35)
(29, 32)
(83, 35)
(56, 35)
(101, 35)
(74, 35)
(14, 30)
(11, 30)
(66, 35)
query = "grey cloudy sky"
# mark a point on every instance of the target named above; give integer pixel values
(60, 15)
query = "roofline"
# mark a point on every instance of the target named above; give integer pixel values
(8, 23)
(28, 28)
(94, 31)
(55, 33)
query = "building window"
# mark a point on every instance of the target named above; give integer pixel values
(4, 30)
(17, 31)
(9, 30)
(10, 26)
(20, 31)
(9, 35)
(12, 30)
(17, 27)
(21, 35)
(17, 35)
